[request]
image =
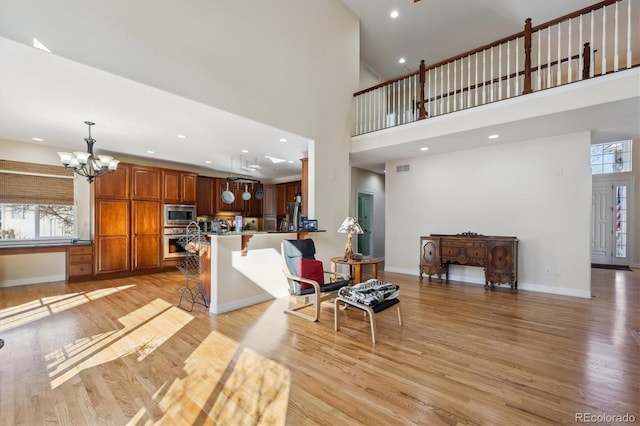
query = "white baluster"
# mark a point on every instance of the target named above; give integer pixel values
(629, 34)
(615, 39)
(518, 66)
(484, 76)
(476, 82)
(559, 71)
(455, 78)
(580, 48)
(539, 76)
(500, 72)
(549, 78)
(469, 81)
(604, 41)
(592, 61)
(491, 88)
(448, 86)
(428, 100)
(569, 67)
(441, 89)
(461, 83)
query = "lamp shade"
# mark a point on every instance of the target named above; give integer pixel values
(350, 225)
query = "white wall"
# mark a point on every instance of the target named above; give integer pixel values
(370, 183)
(537, 190)
(291, 64)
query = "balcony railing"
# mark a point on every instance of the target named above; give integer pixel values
(590, 42)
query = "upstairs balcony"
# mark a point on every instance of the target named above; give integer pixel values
(589, 43)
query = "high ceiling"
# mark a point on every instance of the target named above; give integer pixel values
(435, 30)
(50, 96)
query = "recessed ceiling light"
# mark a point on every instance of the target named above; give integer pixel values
(402, 60)
(424, 148)
(38, 139)
(181, 137)
(495, 136)
(207, 162)
(283, 140)
(394, 14)
(290, 161)
(150, 152)
(244, 151)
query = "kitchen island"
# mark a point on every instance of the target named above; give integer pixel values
(243, 269)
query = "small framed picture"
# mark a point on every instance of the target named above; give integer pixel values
(310, 225)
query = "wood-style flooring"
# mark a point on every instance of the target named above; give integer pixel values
(119, 352)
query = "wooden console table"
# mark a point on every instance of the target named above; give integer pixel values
(497, 255)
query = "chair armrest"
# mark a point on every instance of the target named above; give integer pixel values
(315, 284)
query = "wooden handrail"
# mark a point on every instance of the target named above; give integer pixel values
(574, 14)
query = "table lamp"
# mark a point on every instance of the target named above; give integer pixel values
(349, 226)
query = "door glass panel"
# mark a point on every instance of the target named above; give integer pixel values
(621, 224)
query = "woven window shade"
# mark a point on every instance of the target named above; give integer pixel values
(35, 183)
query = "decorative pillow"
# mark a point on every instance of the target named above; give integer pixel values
(311, 269)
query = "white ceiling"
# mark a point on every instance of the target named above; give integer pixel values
(48, 96)
(435, 30)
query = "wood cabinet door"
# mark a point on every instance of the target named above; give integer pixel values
(281, 199)
(188, 182)
(269, 200)
(171, 186)
(113, 185)
(145, 183)
(146, 235)
(112, 235)
(205, 196)
(221, 206)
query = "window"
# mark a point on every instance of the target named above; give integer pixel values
(613, 157)
(36, 202)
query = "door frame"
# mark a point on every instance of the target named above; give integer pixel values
(629, 181)
(358, 215)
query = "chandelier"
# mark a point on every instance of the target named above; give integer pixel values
(85, 164)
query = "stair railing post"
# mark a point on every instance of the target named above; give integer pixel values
(421, 111)
(586, 61)
(527, 57)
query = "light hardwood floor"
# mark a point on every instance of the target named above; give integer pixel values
(119, 352)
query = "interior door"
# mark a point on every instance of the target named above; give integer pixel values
(365, 212)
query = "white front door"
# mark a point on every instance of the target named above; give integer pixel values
(611, 220)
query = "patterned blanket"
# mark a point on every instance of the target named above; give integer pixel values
(370, 292)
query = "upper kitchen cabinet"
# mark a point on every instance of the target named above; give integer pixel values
(179, 187)
(145, 183)
(114, 185)
(286, 193)
(206, 196)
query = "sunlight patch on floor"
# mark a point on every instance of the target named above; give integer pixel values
(144, 330)
(34, 310)
(220, 389)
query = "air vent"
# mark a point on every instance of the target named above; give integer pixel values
(403, 168)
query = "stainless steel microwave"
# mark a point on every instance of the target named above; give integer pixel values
(179, 215)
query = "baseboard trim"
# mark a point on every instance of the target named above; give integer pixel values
(243, 303)
(34, 280)
(541, 288)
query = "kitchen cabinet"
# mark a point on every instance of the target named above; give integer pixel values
(145, 183)
(179, 187)
(286, 193)
(270, 210)
(146, 234)
(112, 235)
(206, 196)
(113, 185)
(80, 262)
